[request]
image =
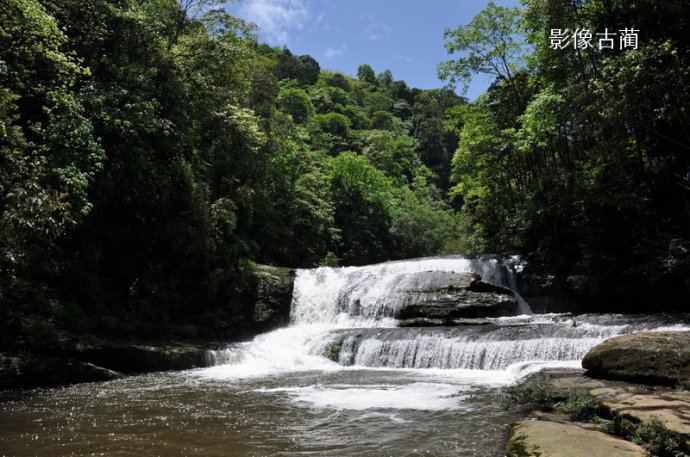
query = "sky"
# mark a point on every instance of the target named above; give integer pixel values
(404, 36)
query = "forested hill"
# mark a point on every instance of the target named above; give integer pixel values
(149, 150)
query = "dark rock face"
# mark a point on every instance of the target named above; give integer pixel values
(654, 358)
(32, 370)
(131, 358)
(273, 288)
(458, 296)
(66, 359)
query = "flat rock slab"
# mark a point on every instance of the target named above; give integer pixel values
(551, 439)
(674, 413)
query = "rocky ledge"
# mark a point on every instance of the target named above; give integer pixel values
(456, 295)
(655, 416)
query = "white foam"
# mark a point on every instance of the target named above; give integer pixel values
(418, 396)
(283, 350)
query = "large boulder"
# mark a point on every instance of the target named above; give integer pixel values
(550, 439)
(462, 295)
(653, 358)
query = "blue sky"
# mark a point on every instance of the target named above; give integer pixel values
(405, 36)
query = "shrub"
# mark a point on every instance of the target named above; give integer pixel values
(535, 395)
(580, 406)
(661, 441)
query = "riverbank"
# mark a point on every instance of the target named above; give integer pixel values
(616, 408)
(58, 357)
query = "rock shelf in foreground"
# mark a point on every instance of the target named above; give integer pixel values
(550, 439)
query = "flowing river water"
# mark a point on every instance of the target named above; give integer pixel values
(388, 391)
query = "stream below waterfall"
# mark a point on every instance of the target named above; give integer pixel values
(342, 380)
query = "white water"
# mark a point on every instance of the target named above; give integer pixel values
(368, 296)
(352, 308)
(417, 395)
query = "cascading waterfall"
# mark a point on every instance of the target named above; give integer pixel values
(368, 296)
(348, 315)
(488, 347)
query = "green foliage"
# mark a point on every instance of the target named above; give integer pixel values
(382, 120)
(580, 406)
(419, 224)
(362, 198)
(490, 44)
(536, 395)
(301, 68)
(661, 441)
(573, 152)
(296, 103)
(541, 396)
(334, 352)
(148, 149)
(333, 123)
(366, 74)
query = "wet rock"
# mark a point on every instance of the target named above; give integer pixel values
(428, 322)
(34, 370)
(133, 358)
(654, 358)
(273, 286)
(550, 439)
(457, 295)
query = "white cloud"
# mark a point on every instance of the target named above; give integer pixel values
(333, 52)
(276, 18)
(400, 58)
(375, 30)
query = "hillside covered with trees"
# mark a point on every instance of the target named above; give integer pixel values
(150, 150)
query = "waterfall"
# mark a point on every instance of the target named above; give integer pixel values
(487, 347)
(369, 296)
(350, 315)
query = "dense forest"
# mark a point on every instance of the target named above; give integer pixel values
(150, 150)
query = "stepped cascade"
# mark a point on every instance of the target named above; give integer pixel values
(452, 312)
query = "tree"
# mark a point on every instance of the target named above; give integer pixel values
(49, 155)
(491, 44)
(296, 103)
(385, 78)
(366, 74)
(362, 198)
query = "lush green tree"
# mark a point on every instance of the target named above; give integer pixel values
(575, 159)
(490, 44)
(366, 74)
(385, 78)
(301, 68)
(296, 103)
(362, 198)
(49, 155)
